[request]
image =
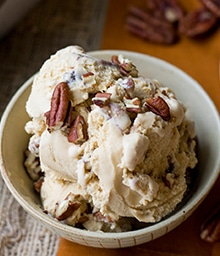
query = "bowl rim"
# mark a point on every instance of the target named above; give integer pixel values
(186, 209)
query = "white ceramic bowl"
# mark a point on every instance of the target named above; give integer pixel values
(13, 141)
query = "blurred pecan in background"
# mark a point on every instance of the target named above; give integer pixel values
(163, 21)
(145, 25)
(213, 6)
(168, 10)
(197, 22)
(210, 230)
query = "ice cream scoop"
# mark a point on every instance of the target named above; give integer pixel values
(113, 146)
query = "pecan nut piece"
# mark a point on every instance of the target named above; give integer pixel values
(213, 6)
(128, 84)
(88, 74)
(158, 106)
(38, 184)
(102, 99)
(68, 119)
(100, 217)
(148, 27)
(78, 131)
(67, 207)
(56, 116)
(210, 230)
(83, 219)
(133, 105)
(125, 68)
(167, 180)
(197, 22)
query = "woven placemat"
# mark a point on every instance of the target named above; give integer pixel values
(51, 25)
(20, 233)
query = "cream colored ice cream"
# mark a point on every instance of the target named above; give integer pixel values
(112, 146)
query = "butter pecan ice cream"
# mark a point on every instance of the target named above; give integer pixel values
(108, 148)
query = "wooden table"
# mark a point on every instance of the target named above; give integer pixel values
(200, 59)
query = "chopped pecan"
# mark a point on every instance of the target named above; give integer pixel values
(158, 106)
(59, 107)
(66, 209)
(101, 217)
(197, 22)
(102, 99)
(88, 78)
(210, 230)
(133, 105)
(32, 165)
(167, 180)
(83, 219)
(146, 26)
(88, 74)
(125, 68)
(115, 59)
(119, 116)
(213, 6)
(78, 131)
(129, 85)
(38, 184)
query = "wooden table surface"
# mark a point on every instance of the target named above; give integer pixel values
(200, 59)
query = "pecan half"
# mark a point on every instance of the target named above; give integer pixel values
(210, 230)
(78, 131)
(59, 107)
(148, 27)
(68, 119)
(197, 22)
(102, 99)
(158, 106)
(213, 6)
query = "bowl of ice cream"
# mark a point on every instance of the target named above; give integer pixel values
(111, 148)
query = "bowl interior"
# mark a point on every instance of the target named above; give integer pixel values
(14, 141)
